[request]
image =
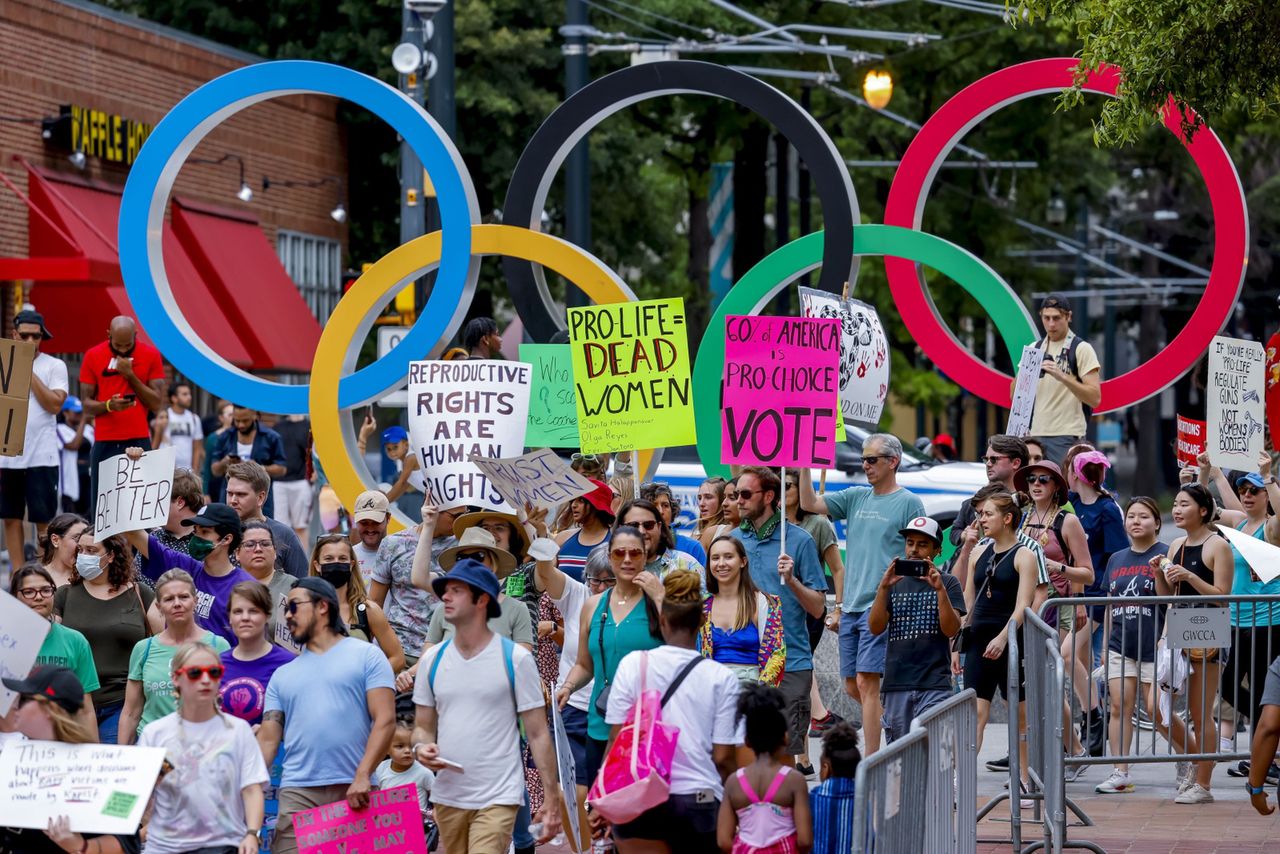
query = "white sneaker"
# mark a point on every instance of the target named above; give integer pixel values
(1196, 794)
(1117, 784)
(1186, 776)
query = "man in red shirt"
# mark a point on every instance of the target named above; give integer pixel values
(120, 379)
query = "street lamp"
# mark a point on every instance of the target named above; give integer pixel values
(1055, 210)
(877, 88)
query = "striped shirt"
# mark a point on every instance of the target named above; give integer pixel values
(832, 803)
(572, 560)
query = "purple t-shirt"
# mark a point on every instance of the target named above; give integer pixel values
(244, 684)
(213, 593)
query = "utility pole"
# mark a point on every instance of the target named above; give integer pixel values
(413, 84)
(441, 104)
(577, 173)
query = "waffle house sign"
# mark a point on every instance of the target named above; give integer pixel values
(104, 135)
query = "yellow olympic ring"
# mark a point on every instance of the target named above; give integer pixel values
(354, 315)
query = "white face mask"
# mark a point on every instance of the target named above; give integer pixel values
(88, 566)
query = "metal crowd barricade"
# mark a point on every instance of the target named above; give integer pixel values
(950, 820)
(891, 784)
(1012, 694)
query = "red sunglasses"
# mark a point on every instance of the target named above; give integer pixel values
(194, 672)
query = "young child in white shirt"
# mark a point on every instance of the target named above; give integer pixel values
(400, 769)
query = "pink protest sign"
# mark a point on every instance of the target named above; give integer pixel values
(780, 386)
(392, 824)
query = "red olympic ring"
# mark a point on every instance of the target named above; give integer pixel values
(910, 188)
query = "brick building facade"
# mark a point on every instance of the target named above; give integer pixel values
(60, 55)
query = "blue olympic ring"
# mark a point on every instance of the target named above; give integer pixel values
(146, 195)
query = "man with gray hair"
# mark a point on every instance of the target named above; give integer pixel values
(874, 518)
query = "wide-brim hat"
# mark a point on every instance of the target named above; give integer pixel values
(1044, 467)
(504, 562)
(476, 519)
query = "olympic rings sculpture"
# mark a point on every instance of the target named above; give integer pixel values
(456, 249)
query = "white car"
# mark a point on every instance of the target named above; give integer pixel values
(941, 486)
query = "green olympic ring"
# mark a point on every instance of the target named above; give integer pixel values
(787, 263)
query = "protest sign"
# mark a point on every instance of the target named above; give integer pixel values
(16, 359)
(1024, 391)
(22, 632)
(568, 788)
(780, 379)
(1262, 557)
(1191, 437)
(553, 414)
(101, 788)
(459, 410)
(392, 824)
(1234, 410)
(631, 376)
(539, 478)
(864, 353)
(133, 496)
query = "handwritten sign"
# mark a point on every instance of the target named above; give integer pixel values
(133, 496)
(631, 375)
(539, 478)
(392, 824)
(780, 379)
(459, 410)
(1191, 439)
(1234, 408)
(1024, 391)
(101, 788)
(16, 359)
(22, 632)
(553, 414)
(568, 788)
(864, 354)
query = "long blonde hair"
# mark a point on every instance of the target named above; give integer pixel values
(66, 728)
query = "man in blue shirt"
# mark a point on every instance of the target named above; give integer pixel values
(249, 441)
(876, 517)
(795, 577)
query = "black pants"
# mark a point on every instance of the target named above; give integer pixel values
(1253, 653)
(104, 450)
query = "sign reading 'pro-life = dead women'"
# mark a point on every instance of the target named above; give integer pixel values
(16, 359)
(781, 377)
(631, 375)
(459, 410)
(133, 495)
(1234, 405)
(539, 478)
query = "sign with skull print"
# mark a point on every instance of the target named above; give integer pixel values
(864, 353)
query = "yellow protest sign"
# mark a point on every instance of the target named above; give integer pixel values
(631, 375)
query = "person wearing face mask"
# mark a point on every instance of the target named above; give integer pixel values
(110, 609)
(120, 380)
(217, 533)
(334, 560)
(249, 440)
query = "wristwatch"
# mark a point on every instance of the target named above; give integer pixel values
(1255, 790)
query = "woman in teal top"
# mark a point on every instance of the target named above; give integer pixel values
(620, 621)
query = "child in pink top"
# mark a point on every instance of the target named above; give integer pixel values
(778, 821)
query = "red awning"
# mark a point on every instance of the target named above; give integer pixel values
(241, 302)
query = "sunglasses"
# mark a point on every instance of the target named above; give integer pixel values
(291, 607)
(195, 671)
(995, 458)
(30, 336)
(872, 459)
(37, 592)
(480, 555)
(1045, 479)
(621, 553)
(647, 525)
(745, 494)
(1250, 490)
(585, 458)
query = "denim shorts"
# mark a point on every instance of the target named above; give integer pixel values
(861, 651)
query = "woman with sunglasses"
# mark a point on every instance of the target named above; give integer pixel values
(661, 554)
(210, 801)
(743, 626)
(619, 620)
(106, 605)
(149, 693)
(730, 515)
(334, 559)
(58, 548)
(250, 665)
(63, 646)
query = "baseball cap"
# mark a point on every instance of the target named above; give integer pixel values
(394, 434)
(57, 684)
(923, 525)
(600, 498)
(1057, 301)
(475, 575)
(30, 315)
(371, 505)
(72, 404)
(945, 440)
(221, 517)
(1253, 479)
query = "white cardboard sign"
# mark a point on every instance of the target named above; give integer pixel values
(1024, 391)
(864, 353)
(133, 496)
(1235, 403)
(465, 409)
(539, 478)
(22, 632)
(102, 788)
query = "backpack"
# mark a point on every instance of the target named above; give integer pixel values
(1073, 366)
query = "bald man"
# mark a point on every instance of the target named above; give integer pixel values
(120, 380)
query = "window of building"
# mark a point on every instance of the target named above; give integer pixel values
(315, 265)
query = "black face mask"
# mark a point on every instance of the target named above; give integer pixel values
(337, 573)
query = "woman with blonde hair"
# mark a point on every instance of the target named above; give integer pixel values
(334, 560)
(211, 799)
(710, 501)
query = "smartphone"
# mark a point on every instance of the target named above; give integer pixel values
(908, 568)
(130, 397)
(449, 763)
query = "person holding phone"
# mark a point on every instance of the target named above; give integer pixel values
(921, 609)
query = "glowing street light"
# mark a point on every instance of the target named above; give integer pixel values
(877, 88)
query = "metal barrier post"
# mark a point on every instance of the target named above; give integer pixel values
(890, 784)
(1013, 793)
(950, 821)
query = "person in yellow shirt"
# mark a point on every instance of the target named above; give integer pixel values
(1070, 382)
